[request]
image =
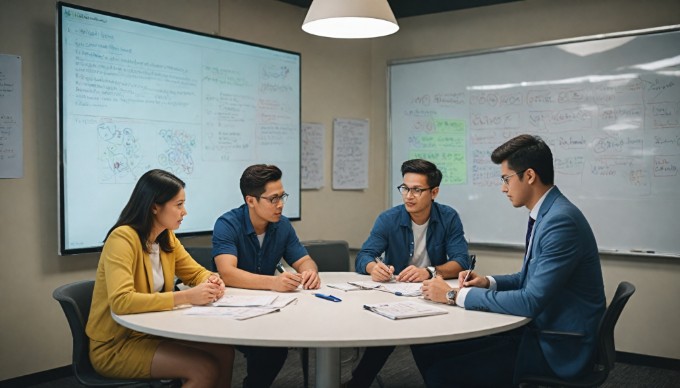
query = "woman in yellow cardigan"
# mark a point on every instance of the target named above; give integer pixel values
(139, 261)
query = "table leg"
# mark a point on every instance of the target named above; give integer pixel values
(328, 367)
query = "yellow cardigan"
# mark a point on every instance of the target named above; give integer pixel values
(124, 282)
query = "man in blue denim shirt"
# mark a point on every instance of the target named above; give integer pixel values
(248, 242)
(420, 240)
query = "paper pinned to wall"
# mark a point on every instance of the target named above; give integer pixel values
(11, 119)
(312, 158)
(350, 154)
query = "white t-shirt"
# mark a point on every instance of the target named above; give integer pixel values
(420, 257)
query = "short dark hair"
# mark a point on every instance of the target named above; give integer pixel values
(422, 166)
(527, 151)
(154, 187)
(256, 177)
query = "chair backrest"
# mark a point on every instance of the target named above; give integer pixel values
(75, 300)
(329, 255)
(605, 347)
(203, 256)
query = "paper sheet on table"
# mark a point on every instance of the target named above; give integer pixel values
(403, 289)
(245, 300)
(344, 286)
(406, 309)
(238, 313)
(398, 288)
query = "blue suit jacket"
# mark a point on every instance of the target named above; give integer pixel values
(561, 289)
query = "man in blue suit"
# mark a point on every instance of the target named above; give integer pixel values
(559, 287)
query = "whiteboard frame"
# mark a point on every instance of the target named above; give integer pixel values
(391, 196)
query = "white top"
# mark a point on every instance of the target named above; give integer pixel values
(157, 268)
(316, 322)
(420, 257)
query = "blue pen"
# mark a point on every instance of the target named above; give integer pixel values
(328, 297)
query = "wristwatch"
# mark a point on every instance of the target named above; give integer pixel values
(432, 271)
(451, 297)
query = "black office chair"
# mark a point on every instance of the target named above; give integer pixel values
(329, 256)
(202, 255)
(606, 351)
(75, 300)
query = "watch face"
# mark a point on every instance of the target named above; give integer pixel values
(451, 295)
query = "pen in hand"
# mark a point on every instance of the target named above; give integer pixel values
(296, 277)
(379, 260)
(473, 259)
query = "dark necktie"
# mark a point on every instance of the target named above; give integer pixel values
(530, 226)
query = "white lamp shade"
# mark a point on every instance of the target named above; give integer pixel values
(350, 19)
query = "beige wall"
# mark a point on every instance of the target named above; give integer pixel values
(339, 79)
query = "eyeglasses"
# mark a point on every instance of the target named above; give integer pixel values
(416, 191)
(505, 179)
(275, 199)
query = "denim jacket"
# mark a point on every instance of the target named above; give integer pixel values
(392, 234)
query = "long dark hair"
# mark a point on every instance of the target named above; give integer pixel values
(154, 187)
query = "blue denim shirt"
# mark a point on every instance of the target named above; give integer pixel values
(234, 235)
(393, 235)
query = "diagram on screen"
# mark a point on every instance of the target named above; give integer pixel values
(120, 154)
(177, 156)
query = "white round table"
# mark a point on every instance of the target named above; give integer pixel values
(327, 326)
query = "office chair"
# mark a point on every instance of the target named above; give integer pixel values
(203, 256)
(329, 256)
(75, 300)
(606, 351)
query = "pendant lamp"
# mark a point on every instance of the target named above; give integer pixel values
(350, 19)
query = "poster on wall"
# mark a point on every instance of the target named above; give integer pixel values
(350, 154)
(11, 120)
(312, 156)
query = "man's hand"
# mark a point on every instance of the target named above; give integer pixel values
(380, 272)
(310, 280)
(286, 282)
(413, 274)
(435, 290)
(473, 280)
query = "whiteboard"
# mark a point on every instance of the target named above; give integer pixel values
(608, 108)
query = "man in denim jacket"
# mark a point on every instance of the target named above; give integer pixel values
(419, 239)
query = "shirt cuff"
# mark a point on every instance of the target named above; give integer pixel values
(492, 283)
(460, 298)
(462, 293)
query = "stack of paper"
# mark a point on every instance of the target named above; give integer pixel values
(243, 306)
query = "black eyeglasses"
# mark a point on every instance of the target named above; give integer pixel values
(505, 179)
(417, 191)
(274, 199)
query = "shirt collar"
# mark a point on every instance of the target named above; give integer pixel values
(250, 229)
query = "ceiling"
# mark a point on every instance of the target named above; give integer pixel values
(406, 8)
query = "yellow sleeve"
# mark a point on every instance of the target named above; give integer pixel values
(128, 288)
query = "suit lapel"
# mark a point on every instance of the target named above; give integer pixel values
(545, 207)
